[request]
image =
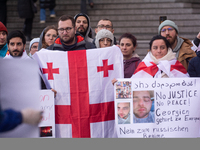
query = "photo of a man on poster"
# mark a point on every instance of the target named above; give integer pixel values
(123, 110)
(142, 104)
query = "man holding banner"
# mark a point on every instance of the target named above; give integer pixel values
(84, 104)
(68, 40)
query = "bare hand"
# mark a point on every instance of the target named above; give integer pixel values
(55, 92)
(31, 116)
(114, 81)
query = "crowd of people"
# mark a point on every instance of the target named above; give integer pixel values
(169, 55)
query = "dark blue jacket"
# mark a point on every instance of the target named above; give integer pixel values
(9, 119)
(194, 66)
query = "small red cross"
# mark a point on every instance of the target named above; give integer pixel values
(105, 68)
(50, 71)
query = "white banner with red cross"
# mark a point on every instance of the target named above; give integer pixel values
(84, 104)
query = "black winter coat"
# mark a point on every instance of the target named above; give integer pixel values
(194, 66)
(51, 4)
(25, 8)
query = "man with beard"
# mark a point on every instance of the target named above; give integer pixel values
(16, 45)
(16, 41)
(181, 46)
(123, 110)
(142, 103)
(105, 24)
(83, 26)
(67, 39)
(3, 36)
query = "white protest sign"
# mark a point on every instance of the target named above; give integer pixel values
(47, 125)
(19, 89)
(157, 108)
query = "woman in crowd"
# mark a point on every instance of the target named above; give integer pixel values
(104, 38)
(48, 37)
(160, 61)
(128, 44)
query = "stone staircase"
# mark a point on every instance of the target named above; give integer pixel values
(139, 17)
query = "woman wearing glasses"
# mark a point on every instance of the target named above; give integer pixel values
(48, 37)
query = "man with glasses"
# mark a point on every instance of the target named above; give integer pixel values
(142, 103)
(67, 39)
(105, 24)
(181, 46)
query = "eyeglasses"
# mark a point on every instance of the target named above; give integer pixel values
(103, 26)
(68, 29)
(169, 30)
(34, 47)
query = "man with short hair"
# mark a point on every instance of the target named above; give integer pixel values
(3, 37)
(123, 110)
(181, 46)
(142, 103)
(16, 41)
(83, 26)
(105, 24)
(67, 39)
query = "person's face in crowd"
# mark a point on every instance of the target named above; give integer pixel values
(3, 37)
(66, 32)
(34, 48)
(16, 47)
(170, 34)
(50, 37)
(123, 110)
(159, 48)
(104, 24)
(105, 42)
(81, 24)
(141, 103)
(127, 47)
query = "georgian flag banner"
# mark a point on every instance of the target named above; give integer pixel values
(84, 104)
(148, 69)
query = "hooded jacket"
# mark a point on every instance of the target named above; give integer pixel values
(40, 41)
(80, 44)
(89, 36)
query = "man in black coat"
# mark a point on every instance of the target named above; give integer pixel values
(26, 10)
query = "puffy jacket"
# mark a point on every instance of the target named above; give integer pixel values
(81, 44)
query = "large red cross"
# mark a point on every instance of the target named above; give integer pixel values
(80, 113)
(50, 71)
(105, 68)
